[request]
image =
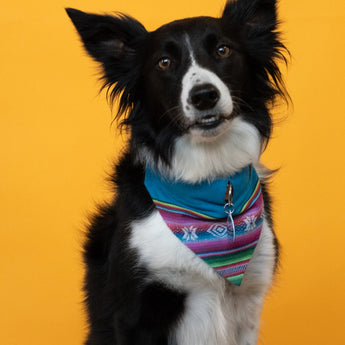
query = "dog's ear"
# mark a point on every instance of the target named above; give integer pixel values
(107, 38)
(115, 42)
(257, 14)
(256, 23)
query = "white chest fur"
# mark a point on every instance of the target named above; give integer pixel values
(217, 313)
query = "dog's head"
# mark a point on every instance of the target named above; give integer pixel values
(195, 92)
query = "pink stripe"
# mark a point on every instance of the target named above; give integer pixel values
(203, 247)
(164, 207)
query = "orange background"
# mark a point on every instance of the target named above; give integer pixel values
(57, 143)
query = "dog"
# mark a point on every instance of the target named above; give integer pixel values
(185, 252)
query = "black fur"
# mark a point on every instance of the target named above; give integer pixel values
(124, 306)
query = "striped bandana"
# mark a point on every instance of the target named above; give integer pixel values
(196, 215)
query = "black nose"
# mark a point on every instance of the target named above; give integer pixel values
(204, 97)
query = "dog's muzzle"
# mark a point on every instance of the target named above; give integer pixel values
(204, 99)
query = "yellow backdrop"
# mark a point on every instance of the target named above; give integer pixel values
(57, 143)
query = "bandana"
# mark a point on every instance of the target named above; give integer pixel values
(220, 221)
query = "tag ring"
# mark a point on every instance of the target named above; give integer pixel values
(229, 208)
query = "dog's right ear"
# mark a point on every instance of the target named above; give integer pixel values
(112, 41)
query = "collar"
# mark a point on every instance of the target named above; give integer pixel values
(204, 199)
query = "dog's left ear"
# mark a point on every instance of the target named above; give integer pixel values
(261, 15)
(257, 25)
(256, 21)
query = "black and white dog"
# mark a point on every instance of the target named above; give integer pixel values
(195, 95)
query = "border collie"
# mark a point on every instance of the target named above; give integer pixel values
(185, 252)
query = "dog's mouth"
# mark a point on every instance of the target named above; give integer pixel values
(209, 122)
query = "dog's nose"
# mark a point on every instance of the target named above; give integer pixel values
(203, 97)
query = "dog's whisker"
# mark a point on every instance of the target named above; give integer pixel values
(239, 101)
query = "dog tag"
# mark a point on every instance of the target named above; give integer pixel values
(229, 209)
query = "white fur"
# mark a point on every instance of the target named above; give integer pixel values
(162, 251)
(238, 147)
(194, 161)
(197, 75)
(217, 313)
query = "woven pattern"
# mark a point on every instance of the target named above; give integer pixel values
(212, 239)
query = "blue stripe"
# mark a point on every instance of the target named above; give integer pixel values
(233, 269)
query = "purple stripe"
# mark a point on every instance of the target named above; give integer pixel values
(206, 249)
(231, 251)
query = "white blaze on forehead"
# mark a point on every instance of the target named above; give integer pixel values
(197, 75)
(190, 48)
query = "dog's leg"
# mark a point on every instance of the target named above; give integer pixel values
(204, 321)
(149, 317)
(248, 330)
(257, 280)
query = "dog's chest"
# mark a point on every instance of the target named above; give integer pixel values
(214, 308)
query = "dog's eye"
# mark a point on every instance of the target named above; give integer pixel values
(164, 63)
(223, 51)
